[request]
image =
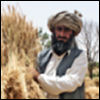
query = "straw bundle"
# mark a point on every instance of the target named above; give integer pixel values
(19, 48)
(92, 88)
(19, 36)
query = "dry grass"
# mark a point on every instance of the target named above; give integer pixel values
(92, 88)
(92, 85)
(19, 36)
(19, 48)
(16, 84)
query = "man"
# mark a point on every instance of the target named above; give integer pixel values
(62, 68)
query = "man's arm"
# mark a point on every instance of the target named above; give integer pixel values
(69, 82)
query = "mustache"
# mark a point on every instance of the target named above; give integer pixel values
(59, 37)
(58, 42)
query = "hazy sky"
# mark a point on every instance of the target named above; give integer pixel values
(39, 11)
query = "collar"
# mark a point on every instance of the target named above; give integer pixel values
(59, 57)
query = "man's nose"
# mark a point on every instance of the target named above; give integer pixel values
(62, 33)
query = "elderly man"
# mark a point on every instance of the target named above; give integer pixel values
(62, 68)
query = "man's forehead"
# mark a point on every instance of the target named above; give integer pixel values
(62, 26)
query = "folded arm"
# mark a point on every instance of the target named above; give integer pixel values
(73, 78)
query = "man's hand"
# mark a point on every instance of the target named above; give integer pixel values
(32, 71)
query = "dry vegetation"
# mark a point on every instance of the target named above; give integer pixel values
(19, 48)
(92, 87)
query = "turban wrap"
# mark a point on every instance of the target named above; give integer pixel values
(70, 20)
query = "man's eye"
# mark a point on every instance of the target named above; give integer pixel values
(59, 28)
(67, 29)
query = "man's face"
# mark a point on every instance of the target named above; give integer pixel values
(62, 39)
(63, 33)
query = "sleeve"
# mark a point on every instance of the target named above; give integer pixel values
(73, 78)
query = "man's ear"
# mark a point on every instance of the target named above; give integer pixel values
(53, 30)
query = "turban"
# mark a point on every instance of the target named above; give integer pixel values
(69, 20)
